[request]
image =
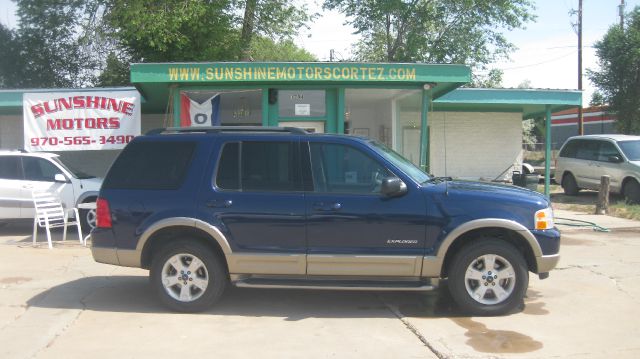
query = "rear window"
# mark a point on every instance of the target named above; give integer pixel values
(151, 165)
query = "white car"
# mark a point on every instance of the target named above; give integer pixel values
(23, 172)
(584, 159)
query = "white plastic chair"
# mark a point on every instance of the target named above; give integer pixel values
(49, 213)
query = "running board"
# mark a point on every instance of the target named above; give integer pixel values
(333, 285)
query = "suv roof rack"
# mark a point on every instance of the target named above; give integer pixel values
(219, 129)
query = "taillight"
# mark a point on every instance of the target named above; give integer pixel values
(103, 213)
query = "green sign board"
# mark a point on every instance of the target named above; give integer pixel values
(318, 72)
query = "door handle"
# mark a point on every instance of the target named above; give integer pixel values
(218, 203)
(327, 207)
(27, 186)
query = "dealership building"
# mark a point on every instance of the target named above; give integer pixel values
(420, 110)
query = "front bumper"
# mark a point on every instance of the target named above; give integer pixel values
(547, 263)
(549, 241)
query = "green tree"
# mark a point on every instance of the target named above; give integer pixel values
(453, 31)
(10, 63)
(275, 19)
(48, 49)
(174, 30)
(619, 76)
(493, 79)
(265, 49)
(597, 99)
(115, 73)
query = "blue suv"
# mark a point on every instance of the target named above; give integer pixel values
(204, 208)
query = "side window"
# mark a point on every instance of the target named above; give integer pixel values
(342, 169)
(587, 150)
(569, 150)
(37, 169)
(10, 167)
(228, 175)
(259, 166)
(607, 149)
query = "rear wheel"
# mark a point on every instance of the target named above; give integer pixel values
(631, 191)
(187, 276)
(488, 277)
(570, 185)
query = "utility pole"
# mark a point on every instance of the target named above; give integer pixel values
(331, 55)
(580, 115)
(622, 14)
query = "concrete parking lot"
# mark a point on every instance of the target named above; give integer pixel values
(60, 303)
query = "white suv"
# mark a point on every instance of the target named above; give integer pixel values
(584, 159)
(23, 172)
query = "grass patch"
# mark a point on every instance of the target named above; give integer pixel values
(586, 201)
(624, 210)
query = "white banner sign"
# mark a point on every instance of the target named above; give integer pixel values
(77, 121)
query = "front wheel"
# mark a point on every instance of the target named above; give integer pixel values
(87, 219)
(631, 192)
(488, 277)
(187, 276)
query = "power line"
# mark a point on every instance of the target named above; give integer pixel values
(539, 63)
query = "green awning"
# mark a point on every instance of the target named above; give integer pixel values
(154, 80)
(530, 102)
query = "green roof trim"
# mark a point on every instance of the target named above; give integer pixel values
(297, 72)
(530, 102)
(155, 80)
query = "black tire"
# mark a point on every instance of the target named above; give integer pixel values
(87, 219)
(631, 191)
(570, 185)
(513, 283)
(214, 274)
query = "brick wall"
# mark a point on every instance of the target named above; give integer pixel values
(478, 145)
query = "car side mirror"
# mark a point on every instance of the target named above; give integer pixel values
(393, 187)
(59, 177)
(615, 159)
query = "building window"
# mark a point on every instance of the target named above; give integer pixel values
(301, 103)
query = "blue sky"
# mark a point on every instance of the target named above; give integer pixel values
(547, 54)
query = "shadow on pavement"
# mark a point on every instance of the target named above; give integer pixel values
(134, 294)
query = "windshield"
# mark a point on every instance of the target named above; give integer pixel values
(402, 163)
(631, 149)
(75, 172)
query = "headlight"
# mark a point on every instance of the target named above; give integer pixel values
(544, 219)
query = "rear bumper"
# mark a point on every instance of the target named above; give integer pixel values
(105, 255)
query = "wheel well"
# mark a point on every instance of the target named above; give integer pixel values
(507, 235)
(625, 181)
(91, 198)
(168, 235)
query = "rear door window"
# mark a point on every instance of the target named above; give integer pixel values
(588, 150)
(151, 165)
(259, 166)
(10, 168)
